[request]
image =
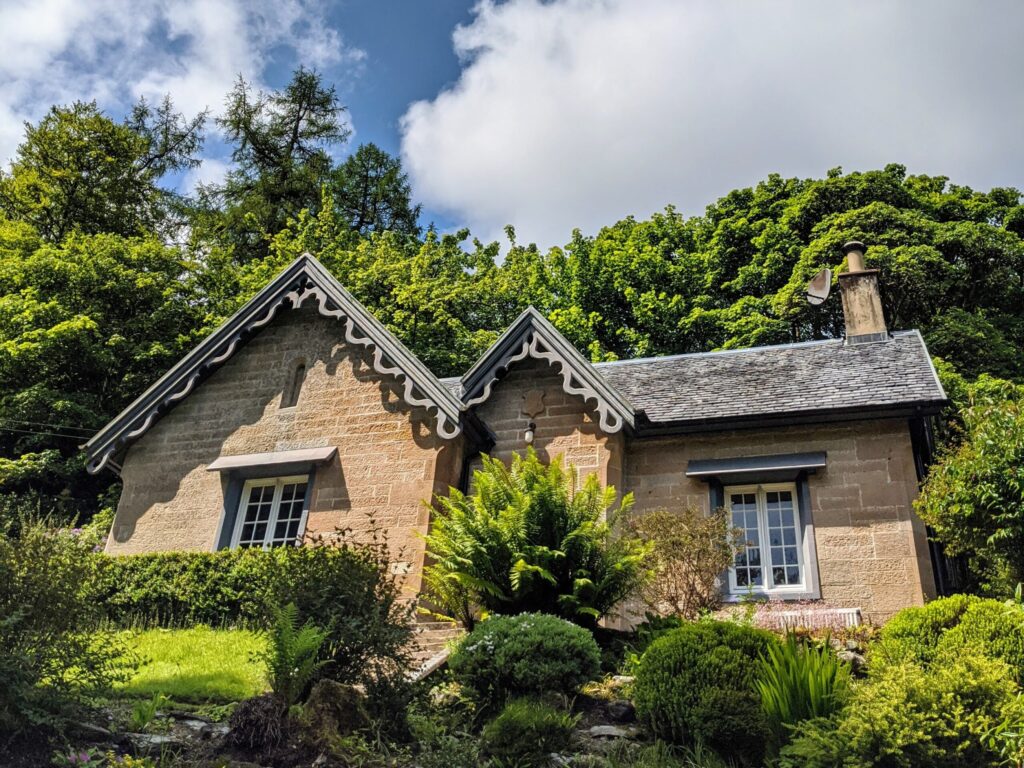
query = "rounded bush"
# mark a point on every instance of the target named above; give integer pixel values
(991, 628)
(696, 685)
(913, 634)
(524, 655)
(527, 732)
(949, 626)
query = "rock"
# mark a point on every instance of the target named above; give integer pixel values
(153, 744)
(182, 716)
(214, 731)
(621, 711)
(619, 681)
(613, 732)
(856, 661)
(91, 732)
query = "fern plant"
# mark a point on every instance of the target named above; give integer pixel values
(529, 540)
(293, 654)
(798, 681)
(144, 712)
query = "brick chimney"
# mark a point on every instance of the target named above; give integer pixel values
(862, 303)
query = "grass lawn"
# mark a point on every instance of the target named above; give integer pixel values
(198, 665)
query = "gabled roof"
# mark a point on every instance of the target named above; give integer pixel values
(787, 382)
(531, 335)
(303, 280)
(806, 382)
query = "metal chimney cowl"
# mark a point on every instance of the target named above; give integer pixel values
(862, 301)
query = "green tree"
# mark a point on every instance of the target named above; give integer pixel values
(373, 194)
(85, 325)
(281, 150)
(79, 171)
(529, 540)
(973, 497)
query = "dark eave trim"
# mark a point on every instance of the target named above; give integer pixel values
(792, 418)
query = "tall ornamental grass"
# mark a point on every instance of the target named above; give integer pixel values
(797, 681)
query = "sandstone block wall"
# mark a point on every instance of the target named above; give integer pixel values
(871, 549)
(389, 459)
(565, 425)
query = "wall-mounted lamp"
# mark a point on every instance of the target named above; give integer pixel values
(529, 433)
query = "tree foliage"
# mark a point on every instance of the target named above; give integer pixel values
(79, 171)
(372, 193)
(281, 151)
(528, 540)
(973, 496)
(98, 296)
(85, 325)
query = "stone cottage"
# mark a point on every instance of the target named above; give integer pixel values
(302, 414)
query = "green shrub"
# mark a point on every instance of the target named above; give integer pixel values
(658, 754)
(526, 732)
(346, 588)
(910, 716)
(797, 681)
(913, 634)
(529, 540)
(993, 628)
(52, 654)
(696, 685)
(522, 655)
(950, 625)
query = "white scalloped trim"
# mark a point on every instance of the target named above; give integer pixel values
(446, 428)
(532, 346)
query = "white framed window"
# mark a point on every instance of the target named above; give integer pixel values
(272, 512)
(771, 558)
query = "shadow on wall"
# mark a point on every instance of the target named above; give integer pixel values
(238, 405)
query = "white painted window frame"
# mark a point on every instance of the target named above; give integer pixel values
(275, 506)
(760, 491)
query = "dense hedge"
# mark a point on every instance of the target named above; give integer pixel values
(695, 685)
(348, 590)
(186, 588)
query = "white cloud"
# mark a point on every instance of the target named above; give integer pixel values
(56, 51)
(578, 112)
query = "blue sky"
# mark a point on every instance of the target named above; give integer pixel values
(555, 114)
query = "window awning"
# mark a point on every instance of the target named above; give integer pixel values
(784, 466)
(275, 460)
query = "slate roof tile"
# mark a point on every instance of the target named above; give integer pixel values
(769, 381)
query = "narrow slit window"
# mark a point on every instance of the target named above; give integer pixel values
(294, 389)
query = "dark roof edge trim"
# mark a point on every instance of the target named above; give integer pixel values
(791, 418)
(746, 464)
(533, 336)
(302, 280)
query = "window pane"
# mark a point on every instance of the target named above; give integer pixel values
(747, 565)
(783, 537)
(257, 515)
(289, 514)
